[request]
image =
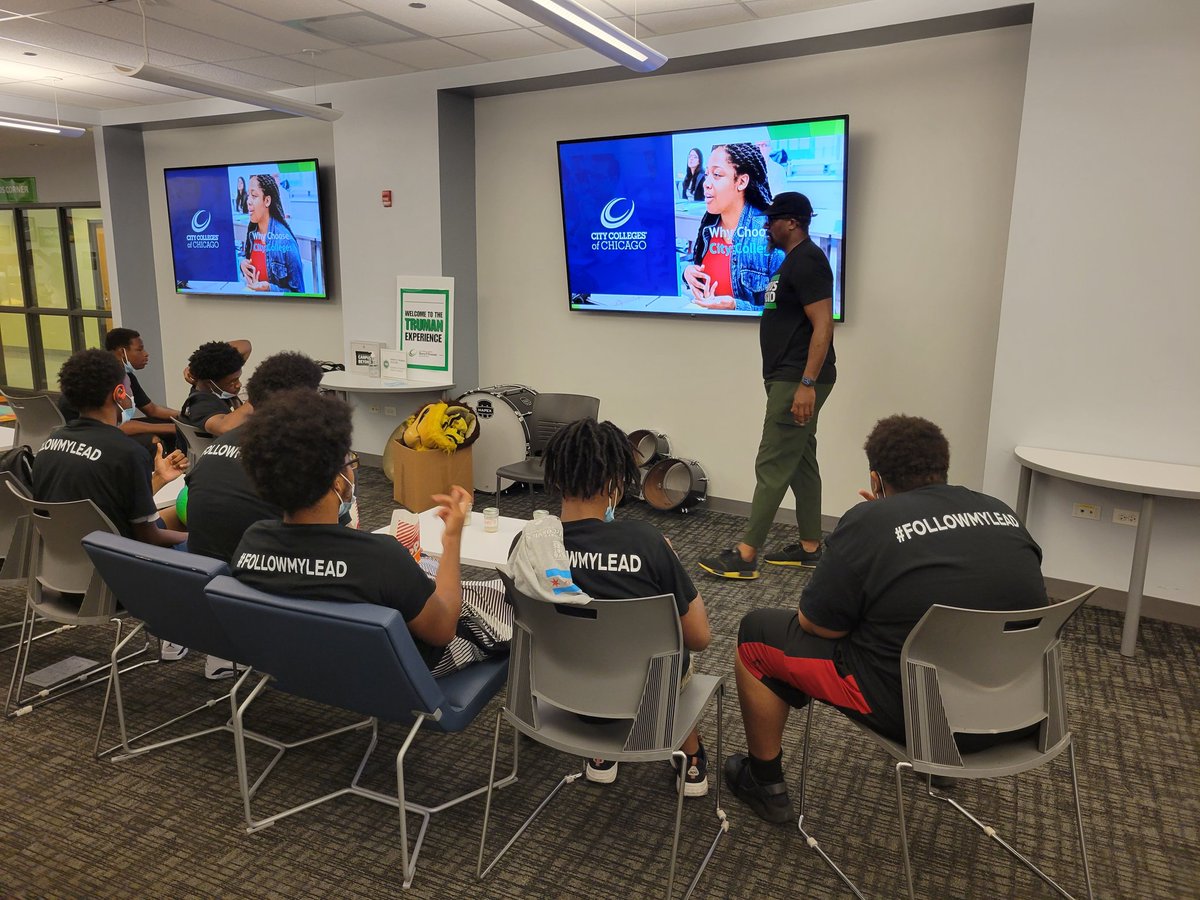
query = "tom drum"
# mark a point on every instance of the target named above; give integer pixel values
(677, 484)
(503, 412)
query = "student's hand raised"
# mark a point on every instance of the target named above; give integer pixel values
(453, 510)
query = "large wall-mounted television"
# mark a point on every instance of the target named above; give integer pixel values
(248, 229)
(642, 212)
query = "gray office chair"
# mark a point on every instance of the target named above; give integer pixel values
(37, 416)
(15, 532)
(191, 437)
(967, 671)
(618, 660)
(550, 413)
(63, 587)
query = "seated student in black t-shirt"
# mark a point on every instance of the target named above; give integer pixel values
(215, 373)
(886, 563)
(591, 465)
(90, 459)
(222, 503)
(297, 453)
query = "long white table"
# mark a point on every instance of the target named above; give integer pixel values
(479, 548)
(352, 382)
(1139, 476)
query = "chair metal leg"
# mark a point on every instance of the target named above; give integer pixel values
(27, 619)
(1087, 871)
(723, 827)
(809, 839)
(900, 767)
(1013, 851)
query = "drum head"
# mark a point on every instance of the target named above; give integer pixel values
(674, 483)
(649, 446)
(503, 434)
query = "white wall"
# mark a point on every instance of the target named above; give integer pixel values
(313, 326)
(933, 139)
(65, 168)
(1097, 342)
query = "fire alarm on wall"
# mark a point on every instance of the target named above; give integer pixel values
(387, 198)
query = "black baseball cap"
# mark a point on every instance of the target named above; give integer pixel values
(790, 204)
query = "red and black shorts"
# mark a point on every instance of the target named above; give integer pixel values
(798, 666)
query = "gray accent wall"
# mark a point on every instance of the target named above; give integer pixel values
(456, 151)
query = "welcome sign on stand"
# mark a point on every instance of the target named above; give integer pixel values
(424, 326)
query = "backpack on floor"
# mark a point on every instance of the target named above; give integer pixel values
(18, 462)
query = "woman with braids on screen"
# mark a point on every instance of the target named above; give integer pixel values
(733, 260)
(271, 256)
(591, 466)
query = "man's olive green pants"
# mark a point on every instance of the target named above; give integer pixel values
(787, 458)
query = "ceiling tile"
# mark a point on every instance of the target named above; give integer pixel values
(225, 75)
(768, 8)
(500, 8)
(643, 7)
(357, 64)
(88, 99)
(283, 10)
(286, 72)
(442, 18)
(557, 37)
(426, 54)
(53, 63)
(228, 23)
(30, 7)
(601, 8)
(692, 19)
(505, 44)
(36, 33)
(124, 26)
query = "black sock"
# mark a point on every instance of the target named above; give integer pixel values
(767, 771)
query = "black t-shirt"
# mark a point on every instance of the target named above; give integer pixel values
(88, 459)
(200, 406)
(329, 562)
(625, 559)
(785, 331)
(889, 560)
(222, 502)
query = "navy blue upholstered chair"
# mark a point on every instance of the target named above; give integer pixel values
(358, 657)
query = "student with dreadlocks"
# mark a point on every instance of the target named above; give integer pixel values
(271, 254)
(733, 261)
(591, 466)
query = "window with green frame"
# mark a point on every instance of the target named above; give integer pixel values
(53, 290)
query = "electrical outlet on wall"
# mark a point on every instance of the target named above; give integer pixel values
(389, 411)
(1085, 511)
(1125, 517)
(374, 407)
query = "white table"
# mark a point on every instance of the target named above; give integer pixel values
(479, 548)
(7, 434)
(352, 382)
(166, 496)
(1139, 476)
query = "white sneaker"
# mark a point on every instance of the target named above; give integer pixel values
(216, 668)
(601, 771)
(169, 652)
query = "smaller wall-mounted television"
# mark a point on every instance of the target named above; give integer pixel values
(248, 230)
(642, 212)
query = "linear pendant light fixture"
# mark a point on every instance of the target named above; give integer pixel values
(589, 29)
(172, 78)
(43, 127)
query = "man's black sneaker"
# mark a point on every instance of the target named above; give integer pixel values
(769, 801)
(794, 555)
(729, 564)
(695, 783)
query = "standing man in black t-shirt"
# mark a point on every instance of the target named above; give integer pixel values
(920, 542)
(796, 337)
(90, 459)
(222, 503)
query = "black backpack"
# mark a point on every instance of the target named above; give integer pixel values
(18, 462)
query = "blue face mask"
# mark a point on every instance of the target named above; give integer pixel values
(128, 364)
(224, 395)
(344, 505)
(610, 510)
(126, 412)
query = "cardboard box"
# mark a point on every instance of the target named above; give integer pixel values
(419, 474)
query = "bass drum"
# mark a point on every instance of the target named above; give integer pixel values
(677, 484)
(503, 413)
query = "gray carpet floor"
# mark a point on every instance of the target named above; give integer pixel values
(169, 823)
